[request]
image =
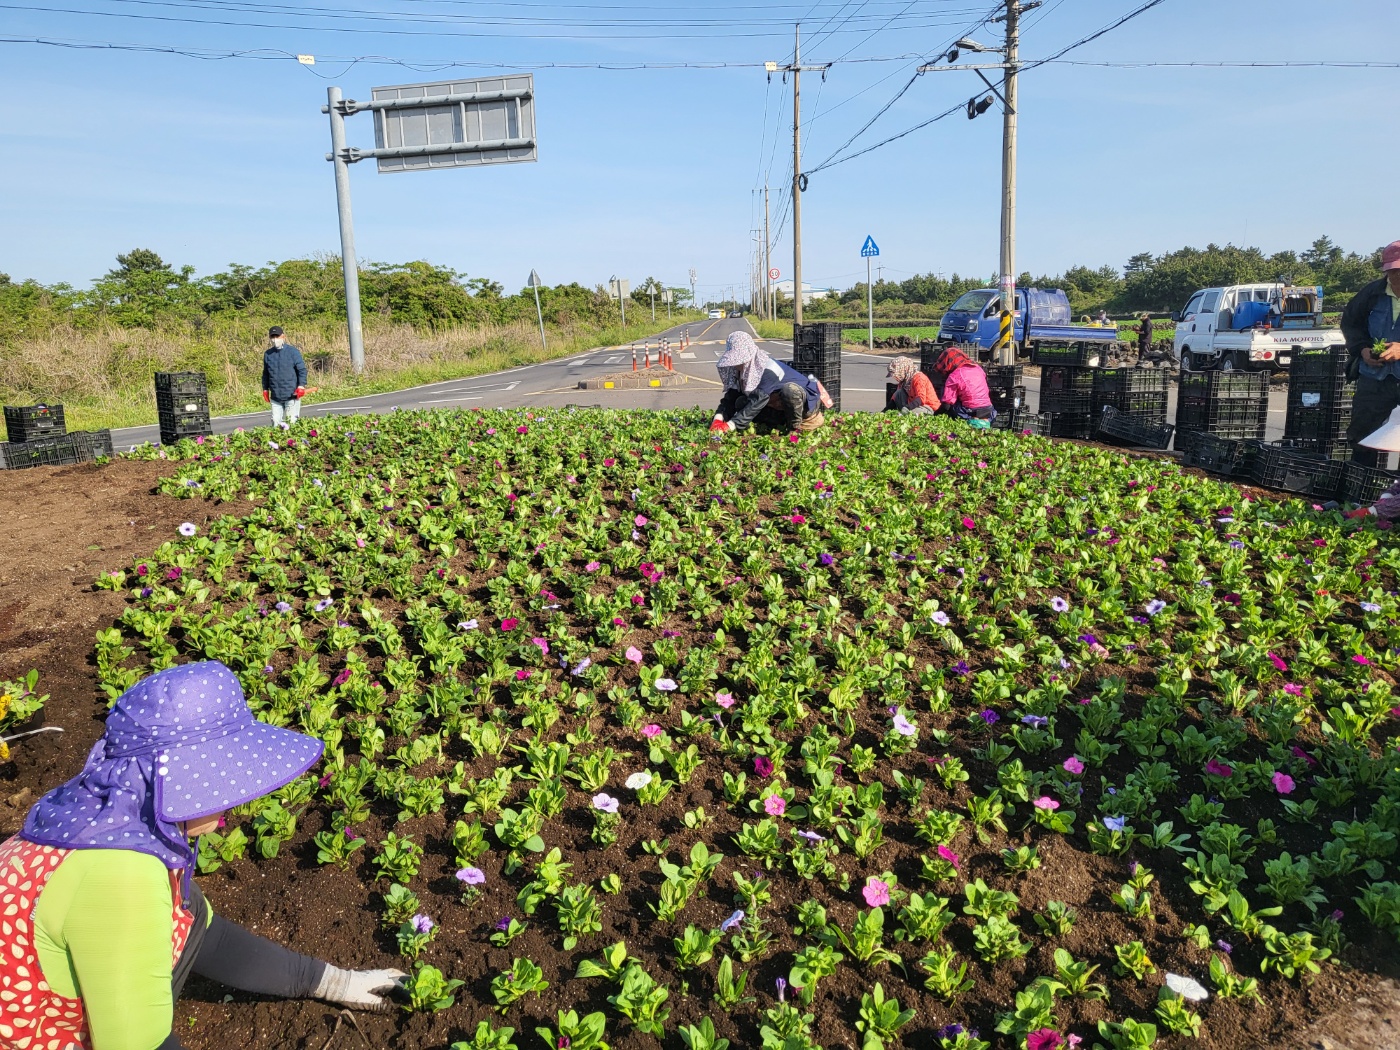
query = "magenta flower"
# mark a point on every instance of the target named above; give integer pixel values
(1283, 783)
(725, 700)
(797, 519)
(1359, 659)
(1278, 662)
(542, 644)
(1218, 768)
(968, 523)
(1292, 688)
(946, 854)
(592, 566)
(1046, 803)
(1043, 1039)
(652, 731)
(775, 805)
(639, 520)
(763, 766)
(876, 892)
(510, 623)
(522, 675)
(1073, 765)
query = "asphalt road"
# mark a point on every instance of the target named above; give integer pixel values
(556, 383)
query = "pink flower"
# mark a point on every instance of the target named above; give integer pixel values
(634, 654)
(1298, 752)
(775, 805)
(522, 429)
(592, 566)
(725, 700)
(1218, 768)
(1292, 688)
(341, 678)
(639, 520)
(968, 523)
(522, 674)
(798, 519)
(1359, 659)
(1043, 1039)
(1283, 783)
(1073, 765)
(948, 855)
(1046, 803)
(652, 731)
(1278, 662)
(763, 766)
(510, 623)
(610, 462)
(875, 892)
(543, 645)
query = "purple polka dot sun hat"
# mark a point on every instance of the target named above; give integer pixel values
(179, 745)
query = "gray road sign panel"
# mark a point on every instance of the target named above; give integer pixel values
(455, 123)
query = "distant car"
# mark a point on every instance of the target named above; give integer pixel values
(715, 315)
(736, 313)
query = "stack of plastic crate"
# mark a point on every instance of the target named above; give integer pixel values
(1224, 404)
(182, 403)
(816, 351)
(38, 437)
(1067, 397)
(1319, 403)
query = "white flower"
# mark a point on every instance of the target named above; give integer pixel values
(637, 781)
(1186, 987)
(187, 529)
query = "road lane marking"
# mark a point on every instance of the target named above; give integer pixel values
(445, 400)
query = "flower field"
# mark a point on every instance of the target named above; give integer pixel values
(881, 736)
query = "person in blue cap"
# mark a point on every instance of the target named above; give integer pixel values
(102, 922)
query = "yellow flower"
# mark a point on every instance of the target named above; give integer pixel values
(4, 751)
(4, 704)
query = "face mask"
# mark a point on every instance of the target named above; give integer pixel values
(278, 342)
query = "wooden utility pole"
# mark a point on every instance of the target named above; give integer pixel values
(1006, 350)
(767, 260)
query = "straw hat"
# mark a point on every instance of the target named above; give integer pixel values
(1387, 437)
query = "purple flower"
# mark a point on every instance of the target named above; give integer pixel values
(1037, 721)
(503, 924)
(1114, 823)
(1224, 946)
(812, 836)
(733, 921)
(324, 604)
(990, 717)
(827, 559)
(188, 529)
(471, 877)
(961, 668)
(145, 592)
(940, 617)
(1059, 604)
(1088, 639)
(1155, 606)
(422, 924)
(583, 665)
(605, 803)
(782, 989)
(763, 766)
(283, 607)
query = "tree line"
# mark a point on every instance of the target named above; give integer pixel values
(1155, 283)
(144, 291)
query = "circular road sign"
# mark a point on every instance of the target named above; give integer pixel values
(773, 274)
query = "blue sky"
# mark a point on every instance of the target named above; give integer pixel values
(654, 171)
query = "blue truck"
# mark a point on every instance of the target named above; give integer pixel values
(975, 319)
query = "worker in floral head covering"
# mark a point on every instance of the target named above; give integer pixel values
(965, 392)
(106, 923)
(763, 392)
(913, 391)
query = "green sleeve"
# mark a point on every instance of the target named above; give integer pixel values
(112, 915)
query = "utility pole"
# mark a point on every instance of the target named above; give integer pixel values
(1006, 348)
(798, 179)
(767, 260)
(347, 231)
(694, 303)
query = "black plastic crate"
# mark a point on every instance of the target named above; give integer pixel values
(1005, 377)
(929, 354)
(1069, 424)
(1217, 416)
(1365, 484)
(190, 427)
(92, 443)
(1026, 421)
(1216, 454)
(1122, 382)
(1067, 404)
(1079, 354)
(1216, 386)
(1126, 430)
(177, 383)
(1276, 467)
(1067, 379)
(1007, 400)
(56, 451)
(1330, 362)
(1146, 408)
(27, 422)
(182, 404)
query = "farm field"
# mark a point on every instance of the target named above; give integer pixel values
(757, 738)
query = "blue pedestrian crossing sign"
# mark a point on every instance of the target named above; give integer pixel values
(869, 249)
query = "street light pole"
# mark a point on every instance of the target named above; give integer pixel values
(767, 261)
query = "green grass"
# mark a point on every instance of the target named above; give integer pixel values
(862, 336)
(772, 329)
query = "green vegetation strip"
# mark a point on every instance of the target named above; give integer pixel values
(942, 730)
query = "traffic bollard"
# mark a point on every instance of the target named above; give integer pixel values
(634, 357)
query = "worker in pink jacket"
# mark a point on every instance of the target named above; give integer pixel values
(965, 392)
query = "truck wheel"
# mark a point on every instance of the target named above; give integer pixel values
(1228, 363)
(1187, 359)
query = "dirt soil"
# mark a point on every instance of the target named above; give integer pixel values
(61, 527)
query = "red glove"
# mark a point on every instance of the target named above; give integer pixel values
(1359, 512)
(267, 397)
(718, 424)
(301, 393)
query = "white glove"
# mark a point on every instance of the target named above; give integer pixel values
(358, 989)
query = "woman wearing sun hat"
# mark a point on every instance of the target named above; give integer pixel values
(100, 923)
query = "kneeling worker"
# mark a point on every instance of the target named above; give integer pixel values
(103, 923)
(913, 391)
(763, 392)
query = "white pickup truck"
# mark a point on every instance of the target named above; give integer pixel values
(1251, 327)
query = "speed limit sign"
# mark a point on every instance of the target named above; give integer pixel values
(773, 274)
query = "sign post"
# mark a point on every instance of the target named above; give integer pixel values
(621, 288)
(535, 284)
(870, 250)
(666, 297)
(421, 127)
